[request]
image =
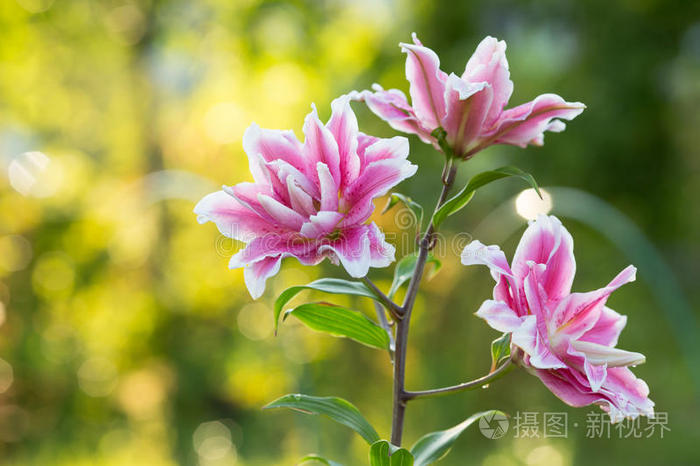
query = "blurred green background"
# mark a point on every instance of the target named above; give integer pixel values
(127, 341)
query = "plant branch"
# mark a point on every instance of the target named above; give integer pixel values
(471, 385)
(381, 316)
(391, 306)
(402, 325)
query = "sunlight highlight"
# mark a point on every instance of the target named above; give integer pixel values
(529, 205)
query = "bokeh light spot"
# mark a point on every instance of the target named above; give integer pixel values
(212, 441)
(254, 322)
(142, 393)
(6, 376)
(545, 454)
(225, 122)
(126, 23)
(529, 205)
(15, 253)
(97, 377)
(34, 174)
(53, 274)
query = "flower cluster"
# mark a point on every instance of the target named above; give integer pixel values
(566, 339)
(469, 108)
(313, 200)
(310, 200)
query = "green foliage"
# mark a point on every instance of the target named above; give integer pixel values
(383, 453)
(326, 285)
(500, 349)
(462, 198)
(431, 447)
(338, 409)
(342, 322)
(405, 267)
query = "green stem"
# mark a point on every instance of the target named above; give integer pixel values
(402, 325)
(390, 305)
(471, 385)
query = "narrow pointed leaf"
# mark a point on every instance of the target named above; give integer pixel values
(500, 349)
(405, 267)
(383, 453)
(342, 322)
(326, 285)
(318, 459)
(462, 198)
(338, 409)
(433, 446)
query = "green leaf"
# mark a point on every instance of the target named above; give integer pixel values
(500, 349)
(340, 321)
(462, 198)
(383, 453)
(326, 285)
(433, 446)
(337, 409)
(318, 459)
(405, 267)
(401, 457)
(415, 208)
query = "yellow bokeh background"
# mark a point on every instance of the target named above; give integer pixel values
(126, 340)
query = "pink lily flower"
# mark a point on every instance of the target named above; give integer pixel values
(566, 339)
(470, 108)
(310, 200)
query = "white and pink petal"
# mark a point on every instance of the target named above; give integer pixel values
(608, 355)
(467, 105)
(535, 345)
(526, 123)
(489, 65)
(395, 148)
(233, 219)
(578, 313)
(272, 144)
(427, 83)
(607, 328)
(352, 249)
(376, 179)
(328, 187)
(282, 214)
(343, 126)
(477, 253)
(322, 224)
(547, 242)
(320, 146)
(247, 195)
(391, 106)
(300, 200)
(499, 316)
(631, 394)
(257, 273)
(569, 389)
(382, 253)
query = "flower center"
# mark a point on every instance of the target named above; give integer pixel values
(334, 235)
